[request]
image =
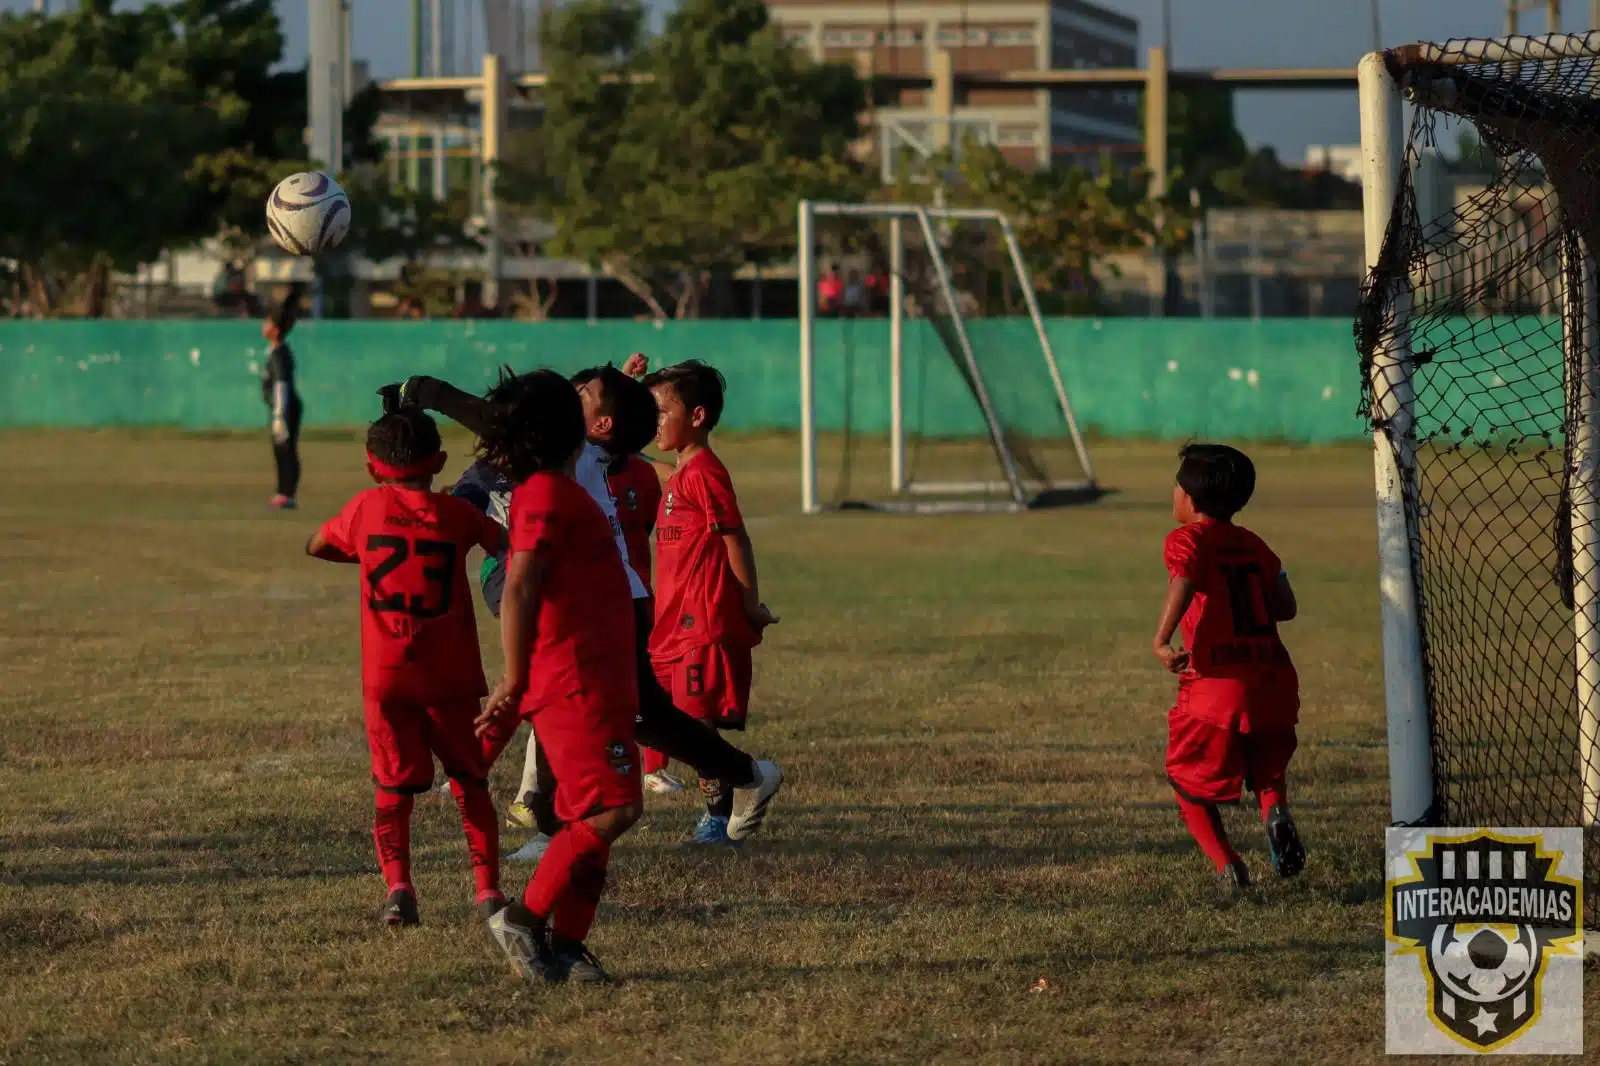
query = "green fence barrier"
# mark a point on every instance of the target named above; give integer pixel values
(1291, 379)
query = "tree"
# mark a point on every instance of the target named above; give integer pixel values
(672, 162)
(142, 129)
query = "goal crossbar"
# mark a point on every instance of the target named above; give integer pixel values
(1021, 492)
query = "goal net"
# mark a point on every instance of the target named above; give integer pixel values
(928, 380)
(1478, 336)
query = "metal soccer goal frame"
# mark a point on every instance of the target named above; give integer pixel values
(1383, 149)
(1015, 492)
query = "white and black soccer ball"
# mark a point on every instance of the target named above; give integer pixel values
(308, 214)
(1484, 963)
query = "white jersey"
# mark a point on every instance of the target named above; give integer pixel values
(591, 474)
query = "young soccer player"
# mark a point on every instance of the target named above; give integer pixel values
(421, 674)
(566, 603)
(636, 487)
(1238, 694)
(709, 613)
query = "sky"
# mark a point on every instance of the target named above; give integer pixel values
(1205, 33)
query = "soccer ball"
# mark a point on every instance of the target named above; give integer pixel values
(308, 214)
(1481, 963)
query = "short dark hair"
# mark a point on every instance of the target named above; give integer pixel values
(1219, 479)
(535, 423)
(629, 403)
(405, 437)
(697, 385)
(287, 311)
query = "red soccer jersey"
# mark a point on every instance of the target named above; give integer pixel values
(637, 490)
(1239, 669)
(419, 640)
(584, 637)
(698, 600)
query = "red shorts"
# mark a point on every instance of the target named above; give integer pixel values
(1211, 763)
(591, 754)
(404, 737)
(712, 683)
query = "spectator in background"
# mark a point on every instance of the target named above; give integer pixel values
(829, 292)
(282, 399)
(854, 302)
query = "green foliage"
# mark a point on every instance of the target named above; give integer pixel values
(128, 131)
(672, 179)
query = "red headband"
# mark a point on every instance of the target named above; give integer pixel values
(389, 472)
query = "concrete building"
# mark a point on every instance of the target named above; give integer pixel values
(986, 36)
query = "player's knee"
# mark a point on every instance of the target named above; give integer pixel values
(612, 823)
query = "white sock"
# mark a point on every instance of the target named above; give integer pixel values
(530, 768)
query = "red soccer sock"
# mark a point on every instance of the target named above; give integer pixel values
(1271, 794)
(576, 846)
(575, 911)
(652, 761)
(482, 827)
(391, 832)
(1205, 825)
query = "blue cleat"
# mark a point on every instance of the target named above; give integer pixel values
(713, 830)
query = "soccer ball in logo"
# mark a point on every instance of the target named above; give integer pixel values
(1484, 963)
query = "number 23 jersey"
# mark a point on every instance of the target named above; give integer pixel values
(1239, 671)
(419, 639)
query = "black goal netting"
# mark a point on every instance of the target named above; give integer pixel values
(1482, 279)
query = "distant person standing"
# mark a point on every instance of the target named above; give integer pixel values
(282, 400)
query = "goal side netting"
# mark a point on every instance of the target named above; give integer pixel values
(928, 381)
(1480, 344)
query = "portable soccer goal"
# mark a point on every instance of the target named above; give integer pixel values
(927, 379)
(1479, 334)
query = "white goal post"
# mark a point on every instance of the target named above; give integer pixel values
(1019, 490)
(1383, 146)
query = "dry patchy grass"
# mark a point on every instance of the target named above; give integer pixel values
(966, 709)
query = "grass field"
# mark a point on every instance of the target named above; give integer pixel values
(966, 708)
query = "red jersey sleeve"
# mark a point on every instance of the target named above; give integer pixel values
(1182, 553)
(343, 529)
(535, 515)
(712, 488)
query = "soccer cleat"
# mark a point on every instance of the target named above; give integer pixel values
(523, 939)
(1234, 880)
(400, 909)
(662, 783)
(519, 816)
(281, 502)
(572, 961)
(751, 802)
(532, 851)
(713, 830)
(491, 905)
(1288, 853)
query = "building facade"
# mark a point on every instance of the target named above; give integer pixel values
(987, 36)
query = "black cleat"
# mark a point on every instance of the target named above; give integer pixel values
(400, 909)
(1234, 880)
(1288, 853)
(571, 961)
(488, 908)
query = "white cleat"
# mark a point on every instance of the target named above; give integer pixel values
(521, 941)
(532, 851)
(662, 783)
(750, 803)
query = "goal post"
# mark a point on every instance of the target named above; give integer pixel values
(1479, 332)
(922, 290)
(1411, 793)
